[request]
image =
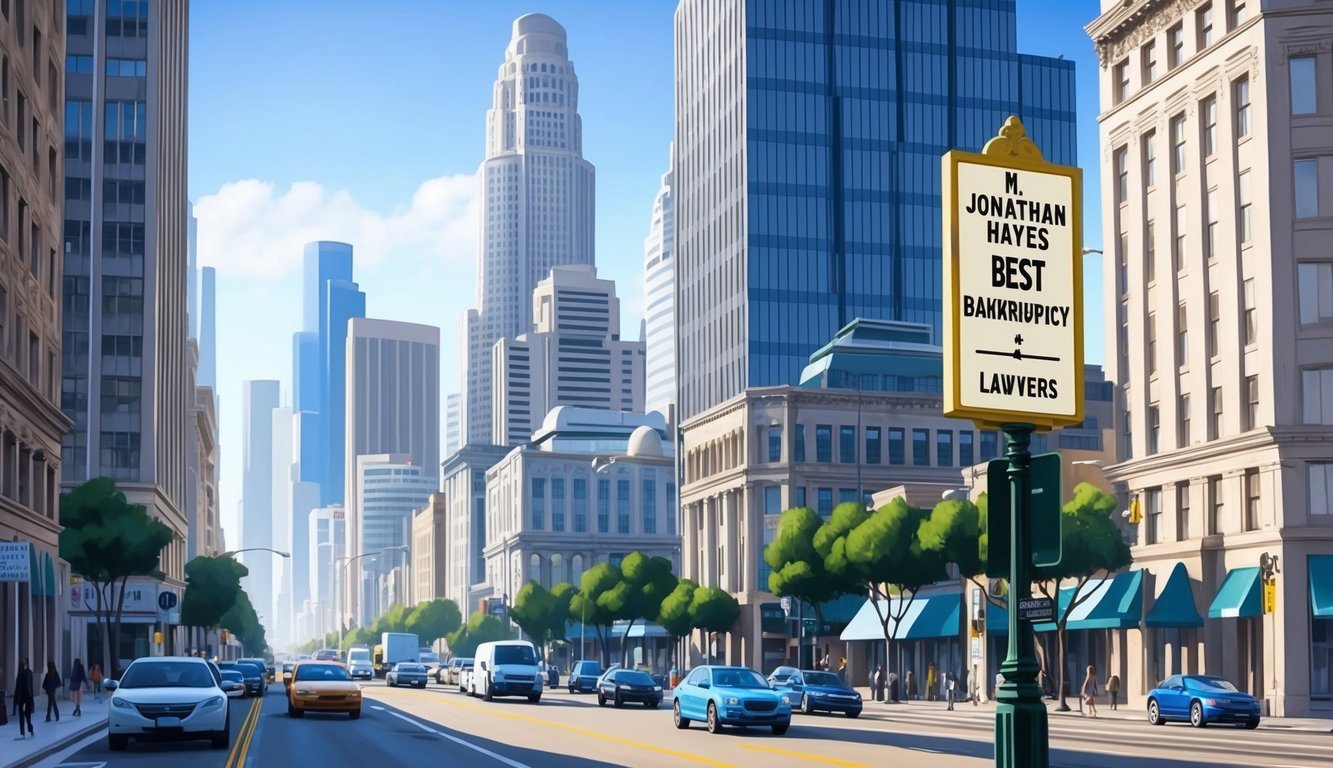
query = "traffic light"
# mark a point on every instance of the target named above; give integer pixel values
(1135, 511)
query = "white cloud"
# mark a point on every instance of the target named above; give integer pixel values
(248, 228)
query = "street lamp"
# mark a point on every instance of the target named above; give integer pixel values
(234, 552)
(1087, 251)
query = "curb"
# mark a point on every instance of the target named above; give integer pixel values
(30, 760)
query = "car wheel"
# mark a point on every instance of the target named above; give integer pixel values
(676, 717)
(571, 687)
(651, 704)
(713, 725)
(601, 699)
(297, 713)
(781, 728)
(117, 742)
(619, 701)
(535, 698)
(486, 696)
(1154, 713)
(1196, 715)
(805, 704)
(221, 739)
(354, 714)
(1250, 725)
(853, 713)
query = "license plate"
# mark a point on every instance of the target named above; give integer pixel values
(168, 722)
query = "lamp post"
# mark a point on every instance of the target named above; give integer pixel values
(234, 552)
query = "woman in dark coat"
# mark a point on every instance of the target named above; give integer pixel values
(78, 678)
(23, 703)
(51, 684)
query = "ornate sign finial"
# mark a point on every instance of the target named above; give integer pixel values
(1013, 142)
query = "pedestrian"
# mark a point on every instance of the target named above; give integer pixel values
(51, 684)
(973, 687)
(950, 682)
(95, 677)
(893, 687)
(1090, 690)
(930, 682)
(1113, 688)
(78, 680)
(911, 685)
(842, 664)
(23, 698)
(999, 681)
(877, 683)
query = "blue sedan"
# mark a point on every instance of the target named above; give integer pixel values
(816, 691)
(1200, 700)
(736, 696)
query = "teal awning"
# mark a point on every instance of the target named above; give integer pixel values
(647, 629)
(926, 617)
(1321, 586)
(577, 631)
(34, 572)
(1175, 606)
(1240, 595)
(1115, 603)
(49, 578)
(997, 619)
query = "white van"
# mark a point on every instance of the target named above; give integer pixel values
(358, 663)
(506, 668)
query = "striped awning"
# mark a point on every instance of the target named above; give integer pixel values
(926, 617)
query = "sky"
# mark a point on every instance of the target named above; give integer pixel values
(365, 123)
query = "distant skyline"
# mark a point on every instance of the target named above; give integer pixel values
(319, 121)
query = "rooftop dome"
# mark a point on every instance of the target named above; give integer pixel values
(645, 441)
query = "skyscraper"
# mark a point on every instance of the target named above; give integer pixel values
(208, 328)
(538, 192)
(124, 381)
(806, 172)
(659, 289)
(278, 596)
(453, 423)
(258, 401)
(390, 490)
(325, 548)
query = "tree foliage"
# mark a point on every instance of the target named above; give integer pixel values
(590, 605)
(211, 587)
(675, 616)
(645, 583)
(107, 540)
(798, 570)
(433, 620)
(540, 613)
(242, 621)
(714, 610)
(480, 628)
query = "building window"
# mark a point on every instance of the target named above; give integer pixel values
(1175, 51)
(1238, 13)
(1182, 511)
(1178, 249)
(1252, 402)
(774, 445)
(800, 444)
(1251, 318)
(622, 506)
(1182, 337)
(847, 445)
(1150, 252)
(1124, 262)
(538, 521)
(1245, 219)
(824, 443)
(1149, 55)
(944, 448)
(897, 448)
(1122, 175)
(966, 457)
(557, 504)
(1178, 157)
(1203, 20)
(1316, 291)
(603, 506)
(580, 505)
(1153, 531)
(1214, 505)
(1251, 499)
(1151, 355)
(1215, 413)
(873, 448)
(1154, 428)
(824, 500)
(1317, 396)
(1210, 234)
(921, 447)
(1214, 322)
(1150, 158)
(1320, 475)
(1306, 174)
(1208, 108)
(989, 445)
(672, 510)
(1183, 414)
(1240, 92)
(1304, 86)
(649, 506)
(1121, 75)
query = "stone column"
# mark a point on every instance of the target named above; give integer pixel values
(731, 501)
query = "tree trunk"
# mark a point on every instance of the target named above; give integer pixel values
(118, 607)
(624, 645)
(1060, 656)
(103, 616)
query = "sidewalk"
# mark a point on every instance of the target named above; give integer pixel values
(49, 738)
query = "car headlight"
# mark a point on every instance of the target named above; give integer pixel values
(121, 703)
(499, 675)
(216, 701)
(818, 694)
(622, 687)
(786, 699)
(355, 693)
(657, 687)
(1213, 702)
(731, 701)
(303, 692)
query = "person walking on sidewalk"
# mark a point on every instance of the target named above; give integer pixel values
(911, 685)
(1113, 689)
(950, 680)
(893, 694)
(931, 680)
(78, 679)
(1089, 691)
(95, 677)
(51, 684)
(877, 683)
(23, 702)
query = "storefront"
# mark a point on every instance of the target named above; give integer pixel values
(1321, 632)
(927, 633)
(1171, 630)
(29, 607)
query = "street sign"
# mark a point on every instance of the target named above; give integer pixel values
(786, 606)
(166, 600)
(1270, 595)
(15, 561)
(1036, 609)
(1013, 318)
(1044, 513)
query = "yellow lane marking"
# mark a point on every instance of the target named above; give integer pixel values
(494, 712)
(242, 743)
(805, 756)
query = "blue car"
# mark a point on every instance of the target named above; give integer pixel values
(1200, 700)
(816, 691)
(583, 677)
(737, 696)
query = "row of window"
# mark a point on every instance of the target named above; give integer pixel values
(124, 18)
(577, 504)
(1156, 529)
(1204, 36)
(877, 446)
(1216, 407)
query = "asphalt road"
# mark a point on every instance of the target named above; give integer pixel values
(438, 727)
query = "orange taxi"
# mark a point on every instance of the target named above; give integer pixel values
(322, 686)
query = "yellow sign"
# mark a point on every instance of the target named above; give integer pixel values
(1013, 285)
(1135, 511)
(157, 638)
(223, 635)
(1270, 596)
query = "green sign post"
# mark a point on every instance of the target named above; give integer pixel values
(1013, 335)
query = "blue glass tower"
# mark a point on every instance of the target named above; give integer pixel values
(807, 167)
(319, 355)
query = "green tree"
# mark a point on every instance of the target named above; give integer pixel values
(392, 620)
(539, 613)
(211, 586)
(480, 628)
(242, 622)
(714, 610)
(675, 616)
(433, 620)
(798, 570)
(107, 540)
(590, 603)
(645, 584)
(358, 636)
(1092, 547)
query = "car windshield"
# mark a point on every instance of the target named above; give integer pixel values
(590, 668)
(515, 654)
(231, 674)
(167, 674)
(411, 668)
(287, 666)
(633, 677)
(738, 678)
(467, 664)
(1215, 683)
(315, 673)
(827, 679)
(249, 670)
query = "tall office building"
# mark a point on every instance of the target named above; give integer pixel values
(330, 299)
(125, 369)
(538, 193)
(325, 551)
(1219, 301)
(390, 490)
(207, 332)
(573, 356)
(659, 298)
(806, 173)
(393, 407)
(281, 608)
(453, 423)
(258, 401)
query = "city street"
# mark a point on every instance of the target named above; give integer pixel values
(441, 727)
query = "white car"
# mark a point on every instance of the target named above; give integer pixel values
(167, 698)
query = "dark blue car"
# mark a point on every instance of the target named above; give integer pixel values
(815, 691)
(1200, 700)
(583, 677)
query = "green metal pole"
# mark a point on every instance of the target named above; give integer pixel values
(1021, 736)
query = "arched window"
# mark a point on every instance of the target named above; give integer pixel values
(558, 573)
(535, 569)
(576, 570)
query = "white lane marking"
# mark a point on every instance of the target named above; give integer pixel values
(60, 757)
(455, 739)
